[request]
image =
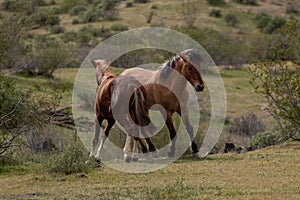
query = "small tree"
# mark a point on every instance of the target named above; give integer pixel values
(277, 79)
(22, 111)
(49, 56)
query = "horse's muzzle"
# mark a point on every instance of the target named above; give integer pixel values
(199, 88)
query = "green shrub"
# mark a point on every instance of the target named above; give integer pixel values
(11, 5)
(141, 1)
(247, 2)
(154, 6)
(70, 36)
(52, 20)
(119, 27)
(78, 9)
(216, 2)
(215, 13)
(71, 160)
(277, 22)
(282, 45)
(268, 24)
(57, 30)
(50, 55)
(231, 19)
(66, 5)
(129, 4)
(40, 2)
(264, 139)
(56, 11)
(52, 2)
(40, 18)
(75, 21)
(92, 15)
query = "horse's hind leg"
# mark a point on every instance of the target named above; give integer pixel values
(173, 135)
(135, 150)
(189, 128)
(103, 137)
(127, 148)
(95, 141)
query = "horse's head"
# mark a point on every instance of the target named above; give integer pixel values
(102, 68)
(183, 64)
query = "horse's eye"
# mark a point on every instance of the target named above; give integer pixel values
(190, 69)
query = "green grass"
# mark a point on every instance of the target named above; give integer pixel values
(271, 173)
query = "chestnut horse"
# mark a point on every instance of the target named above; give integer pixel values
(174, 74)
(110, 95)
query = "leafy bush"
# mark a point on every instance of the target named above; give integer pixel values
(66, 5)
(49, 56)
(141, 1)
(11, 5)
(277, 80)
(78, 9)
(216, 2)
(215, 13)
(52, 20)
(247, 125)
(231, 19)
(57, 30)
(119, 27)
(282, 45)
(23, 112)
(71, 160)
(70, 36)
(264, 139)
(55, 11)
(44, 19)
(129, 4)
(154, 6)
(75, 21)
(92, 15)
(247, 2)
(268, 24)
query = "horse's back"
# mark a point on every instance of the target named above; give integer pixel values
(142, 75)
(123, 89)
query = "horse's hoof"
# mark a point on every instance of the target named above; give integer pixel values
(135, 157)
(194, 155)
(127, 159)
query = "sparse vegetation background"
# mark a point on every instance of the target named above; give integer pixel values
(254, 43)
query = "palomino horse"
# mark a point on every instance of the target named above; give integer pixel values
(110, 95)
(176, 81)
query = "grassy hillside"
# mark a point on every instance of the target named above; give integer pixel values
(272, 173)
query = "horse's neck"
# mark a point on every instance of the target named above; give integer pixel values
(104, 77)
(174, 81)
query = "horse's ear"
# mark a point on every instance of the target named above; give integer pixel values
(94, 63)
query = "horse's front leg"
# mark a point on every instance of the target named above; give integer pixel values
(190, 130)
(173, 135)
(95, 140)
(103, 137)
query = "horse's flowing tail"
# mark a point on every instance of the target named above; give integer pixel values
(139, 114)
